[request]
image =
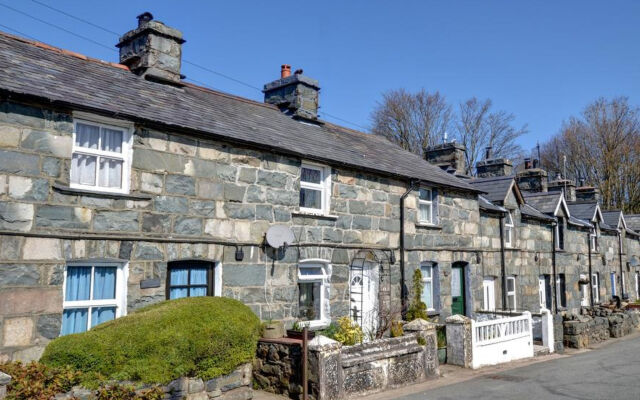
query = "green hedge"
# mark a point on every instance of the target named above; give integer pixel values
(201, 336)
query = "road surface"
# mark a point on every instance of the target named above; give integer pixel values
(611, 372)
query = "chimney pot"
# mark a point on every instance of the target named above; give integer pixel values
(144, 18)
(527, 163)
(299, 71)
(536, 162)
(487, 154)
(285, 71)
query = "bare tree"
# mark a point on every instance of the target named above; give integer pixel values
(477, 127)
(414, 121)
(601, 147)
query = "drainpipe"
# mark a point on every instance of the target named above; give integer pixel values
(503, 269)
(621, 271)
(590, 272)
(554, 300)
(403, 293)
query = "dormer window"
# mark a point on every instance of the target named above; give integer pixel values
(315, 189)
(560, 234)
(593, 236)
(427, 198)
(508, 230)
(101, 157)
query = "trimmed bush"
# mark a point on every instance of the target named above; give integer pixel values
(198, 337)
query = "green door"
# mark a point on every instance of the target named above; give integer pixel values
(457, 290)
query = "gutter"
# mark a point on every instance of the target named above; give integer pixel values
(403, 292)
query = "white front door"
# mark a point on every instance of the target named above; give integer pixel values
(489, 289)
(584, 302)
(542, 291)
(637, 285)
(364, 297)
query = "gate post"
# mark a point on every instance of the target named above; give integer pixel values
(459, 341)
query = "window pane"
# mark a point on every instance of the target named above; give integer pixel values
(104, 284)
(309, 302)
(110, 172)
(102, 314)
(426, 271)
(78, 283)
(176, 293)
(311, 271)
(425, 194)
(111, 140)
(511, 285)
(74, 320)
(179, 276)
(198, 276)
(87, 136)
(311, 175)
(83, 169)
(310, 198)
(198, 291)
(427, 294)
(425, 212)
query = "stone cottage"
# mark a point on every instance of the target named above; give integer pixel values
(122, 185)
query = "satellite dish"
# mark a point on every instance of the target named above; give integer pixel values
(280, 235)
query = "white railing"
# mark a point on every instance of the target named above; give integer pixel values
(501, 340)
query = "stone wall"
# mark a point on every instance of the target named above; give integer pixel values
(597, 325)
(277, 367)
(5, 380)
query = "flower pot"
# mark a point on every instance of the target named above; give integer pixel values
(273, 330)
(298, 334)
(442, 355)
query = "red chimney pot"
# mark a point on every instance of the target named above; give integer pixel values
(285, 70)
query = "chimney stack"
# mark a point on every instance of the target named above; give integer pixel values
(153, 50)
(567, 186)
(494, 167)
(448, 155)
(588, 193)
(295, 94)
(532, 178)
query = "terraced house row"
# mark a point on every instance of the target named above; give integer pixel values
(123, 185)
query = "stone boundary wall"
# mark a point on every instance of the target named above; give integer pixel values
(277, 367)
(234, 386)
(598, 325)
(338, 372)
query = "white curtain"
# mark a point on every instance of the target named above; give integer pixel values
(111, 140)
(110, 174)
(87, 136)
(83, 169)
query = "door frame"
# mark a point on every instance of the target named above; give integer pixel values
(466, 298)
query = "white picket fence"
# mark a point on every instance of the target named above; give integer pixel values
(501, 340)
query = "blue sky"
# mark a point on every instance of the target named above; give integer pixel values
(541, 60)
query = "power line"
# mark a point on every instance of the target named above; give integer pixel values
(57, 27)
(238, 81)
(17, 31)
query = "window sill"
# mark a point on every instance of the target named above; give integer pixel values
(107, 195)
(312, 215)
(428, 226)
(316, 325)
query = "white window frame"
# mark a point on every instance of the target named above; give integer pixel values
(559, 291)
(126, 155)
(489, 293)
(324, 279)
(613, 279)
(557, 241)
(427, 203)
(513, 292)
(593, 236)
(595, 287)
(542, 291)
(324, 187)
(426, 280)
(508, 230)
(120, 301)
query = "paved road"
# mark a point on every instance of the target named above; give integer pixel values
(611, 372)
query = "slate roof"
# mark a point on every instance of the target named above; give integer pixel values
(487, 205)
(544, 202)
(633, 221)
(38, 71)
(585, 211)
(496, 188)
(611, 218)
(529, 211)
(579, 222)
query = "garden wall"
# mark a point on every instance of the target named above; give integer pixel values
(597, 325)
(277, 367)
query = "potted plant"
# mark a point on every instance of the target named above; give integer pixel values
(272, 329)
(442, 344)
(296, 331)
